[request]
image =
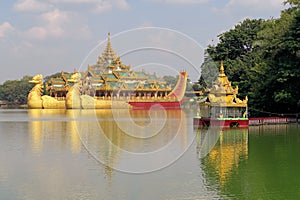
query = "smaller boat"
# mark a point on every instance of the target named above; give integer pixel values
(222, 107)
(171, 101)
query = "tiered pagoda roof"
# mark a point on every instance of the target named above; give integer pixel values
(108, 55)
(223, 94)
(109, 68)
(222, 86)
(109, 60)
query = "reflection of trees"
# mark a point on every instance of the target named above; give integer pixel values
(272, 129)
(270, 172)
(231, 148)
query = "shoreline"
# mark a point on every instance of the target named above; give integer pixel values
(272, 120)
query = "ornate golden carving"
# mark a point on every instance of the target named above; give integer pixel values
(35, 94)
(223, 93)
(52, 103)
(73, 95)
(88, 102)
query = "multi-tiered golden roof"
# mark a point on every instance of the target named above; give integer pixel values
(223, 94)
(222, 100)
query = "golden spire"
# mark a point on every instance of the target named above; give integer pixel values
(222, 71)
(108, 39)
(109, 54)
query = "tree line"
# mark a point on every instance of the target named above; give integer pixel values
(15, 92)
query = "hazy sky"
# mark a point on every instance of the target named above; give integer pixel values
(53, 35)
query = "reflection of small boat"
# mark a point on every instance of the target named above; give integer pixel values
(222, 107)
(173, 100)
(224, 156)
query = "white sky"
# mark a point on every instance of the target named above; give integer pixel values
(54, 35)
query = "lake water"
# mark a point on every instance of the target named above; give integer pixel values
(127, 154)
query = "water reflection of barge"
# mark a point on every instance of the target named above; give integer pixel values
(222, 107)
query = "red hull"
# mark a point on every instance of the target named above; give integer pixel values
(242, 123)
(175, 97)
(148, 105)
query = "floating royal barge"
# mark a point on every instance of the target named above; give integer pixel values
(221, 107)
(107, 84)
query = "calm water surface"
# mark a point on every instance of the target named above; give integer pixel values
(73, 154)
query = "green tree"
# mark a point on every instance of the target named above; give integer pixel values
(262, 58)
(209, 72)
(237, 49)
(236, 42)
(171, 80)
(16, 91)
(294, 5)
(279, 67)
(189, 85)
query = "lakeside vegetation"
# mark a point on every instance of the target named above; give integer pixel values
(15, 92)
(261, 56)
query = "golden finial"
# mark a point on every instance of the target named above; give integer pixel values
(222, 72)
(108, 45)
(109, 54)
